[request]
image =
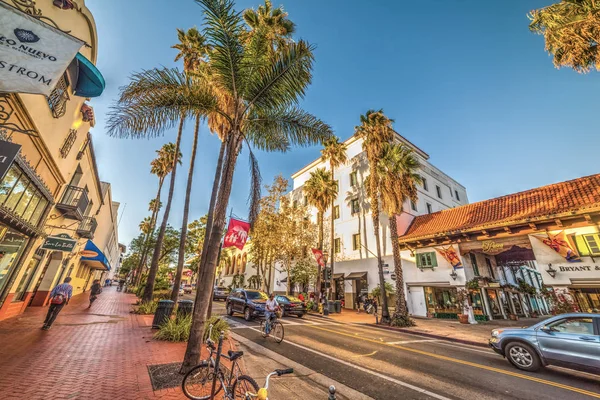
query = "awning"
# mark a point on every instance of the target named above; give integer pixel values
(338, 276)
(356, 275)
(90, 82)
(92, 256)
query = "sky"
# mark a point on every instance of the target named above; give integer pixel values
(464, 80)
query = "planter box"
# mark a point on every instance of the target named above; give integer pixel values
(463, 318)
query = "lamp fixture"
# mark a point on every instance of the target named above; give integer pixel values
(551, 271)
(453, 275)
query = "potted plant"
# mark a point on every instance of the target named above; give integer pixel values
(462, 298)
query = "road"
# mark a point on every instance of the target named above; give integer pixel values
(391, 365)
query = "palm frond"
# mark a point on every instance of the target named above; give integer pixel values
(255, 186)
(140, 121)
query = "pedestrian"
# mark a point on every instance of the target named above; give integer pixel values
(107, 282)
(59, 297)
(301, 297)
(95, 290)
(374, 303)
(358, 301)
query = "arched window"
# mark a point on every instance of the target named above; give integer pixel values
(244, 261)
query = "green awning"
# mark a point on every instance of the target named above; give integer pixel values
(90, 82)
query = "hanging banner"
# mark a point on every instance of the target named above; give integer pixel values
(237, 234)
(450, 255)
(319, 257)
(33, 54)
(560, 244)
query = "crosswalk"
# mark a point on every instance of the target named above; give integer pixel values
(237, 322)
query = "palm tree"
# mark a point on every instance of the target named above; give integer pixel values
(192, 48)
(376, 130)
(272, 24)
(397, 171)
(320, 190)
(334, 151)
(570, 29)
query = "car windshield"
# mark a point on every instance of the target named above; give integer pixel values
(256, 296)
(221, 288)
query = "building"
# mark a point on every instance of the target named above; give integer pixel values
(355, 269)
(504, 250)
(57, 218)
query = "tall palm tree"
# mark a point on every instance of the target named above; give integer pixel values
(320, 190)
(334, 151)
(376, 130)
(272, 24)
(397, 171)
(194, 50)
(571, 31)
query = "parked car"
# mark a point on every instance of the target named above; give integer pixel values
(251, 303)
(291, 305)
(567, 340)
(181, 291)
(187, 288)
(220, 293)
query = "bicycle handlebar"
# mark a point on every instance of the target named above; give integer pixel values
(284, 371)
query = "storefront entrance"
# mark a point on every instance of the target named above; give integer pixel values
(588, 299)
(441, 302)
(12, 244)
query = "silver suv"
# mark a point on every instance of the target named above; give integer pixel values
(567, 340)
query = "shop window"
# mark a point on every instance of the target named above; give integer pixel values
(11, 246)
(426, 260)
(588, 245)
(474, 264)
(336, 212)
(19, 194)
(57, 101)
(425, 183)
(354, 206)
(456, 195)
(27, 277)
(413, 206)
(356, 241)
(337, 245)
(353, 179)
(438, 191)
(488, 263)
(429, 208)
(9, 181)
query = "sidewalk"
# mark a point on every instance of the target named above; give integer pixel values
(104, 353)
(476, 334)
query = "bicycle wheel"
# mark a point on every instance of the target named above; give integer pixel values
(262, 328)
(242, 385)
(277, 331)
(197, 383)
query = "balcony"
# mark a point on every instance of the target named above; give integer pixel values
(87, 227)
(73, 203)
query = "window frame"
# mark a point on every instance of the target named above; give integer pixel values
(354, 178)
(563, 320)
(438, 191)
(474, 266)
(354, 241)
(456, 195)
(337, 245)
(336, 212)
(413, 206)
(582, 243)
(425, 185)
(352, 208)
(430, 258)
(429, 208)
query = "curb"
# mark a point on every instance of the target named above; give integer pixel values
(430, 335)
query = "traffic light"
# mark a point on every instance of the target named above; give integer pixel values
(327, 274)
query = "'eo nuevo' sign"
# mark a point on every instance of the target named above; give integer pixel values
(33, 54)
(62, 242)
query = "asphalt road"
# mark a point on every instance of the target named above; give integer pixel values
(391, 365)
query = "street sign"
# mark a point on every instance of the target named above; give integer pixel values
(61, 242)
(386, 268)
(393, 276)
(8, 153)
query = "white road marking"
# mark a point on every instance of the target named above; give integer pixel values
(368, 371)
(413, 341)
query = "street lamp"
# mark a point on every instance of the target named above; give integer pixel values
(453, 275)
(551, 271)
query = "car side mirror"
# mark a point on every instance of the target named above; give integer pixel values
(547, 329)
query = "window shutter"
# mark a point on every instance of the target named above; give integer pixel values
(419, 262)
(433, 259)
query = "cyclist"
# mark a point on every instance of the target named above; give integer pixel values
(271, 306)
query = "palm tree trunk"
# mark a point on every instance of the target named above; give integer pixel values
(149, 235)
(385, 313)
(320, 220)
(149, 289)
(401, 312)
(332, 238)
(207, 273)
(186, 212)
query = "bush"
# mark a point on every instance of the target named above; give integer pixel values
(310, 304)
(162, 295)
(402, 321)
(175, 329)
(219, 325)
(146, 308)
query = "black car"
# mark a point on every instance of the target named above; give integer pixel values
(251, 303)
(220, 293)
(291, 305)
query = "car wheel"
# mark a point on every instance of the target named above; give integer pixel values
(300, 315)
(522, 356)
(247, 314)
(229, 310)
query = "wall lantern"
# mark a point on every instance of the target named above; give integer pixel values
(453, 275)
(551, 271)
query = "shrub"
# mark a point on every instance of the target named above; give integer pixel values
(310, 305)
(175, 329)
(162, 295)
(146, 308)
(219, 325)
(402, 321)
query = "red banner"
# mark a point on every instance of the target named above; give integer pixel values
(319, 257)
(450, 255)
(237, 234)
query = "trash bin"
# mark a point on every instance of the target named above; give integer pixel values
(331, 306)
(163, 312)
(338, 306)
(184, 308)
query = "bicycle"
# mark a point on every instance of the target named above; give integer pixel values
(197, 383)
(276, 328)
(262, 393)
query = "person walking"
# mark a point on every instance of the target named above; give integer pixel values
(59, 297)
(95, 290)
(106, 282)
(358, 301)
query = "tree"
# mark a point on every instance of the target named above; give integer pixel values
(304, 273)
(397, 172)
(334, 152)
(320, 190)
(192, 48)
(571, 29)
(272, 26)
(376, 130)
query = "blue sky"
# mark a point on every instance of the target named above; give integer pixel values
(464, 80)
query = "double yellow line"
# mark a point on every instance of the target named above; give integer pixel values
(463, 362)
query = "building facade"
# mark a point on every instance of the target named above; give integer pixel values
(57, 218)
(355, 269)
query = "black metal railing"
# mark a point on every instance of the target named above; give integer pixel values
(73, 202)
(87, 227)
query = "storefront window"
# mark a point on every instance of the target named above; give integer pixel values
(442, 302)
(8, 182)
(19, 194)
(26, 279)
(11, 246)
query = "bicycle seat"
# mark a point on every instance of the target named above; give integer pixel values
(234, 355)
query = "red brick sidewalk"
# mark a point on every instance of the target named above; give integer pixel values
(101, 353)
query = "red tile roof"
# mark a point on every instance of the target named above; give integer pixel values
(574, 196)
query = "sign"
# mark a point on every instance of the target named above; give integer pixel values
(88, 253)
(62, 242)
(33, 54)
(579, 268)
(237, 234)
(8, 153)
(494, 284)
(319, 257)
(386, 268)
(490, 247)
(393, 276)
